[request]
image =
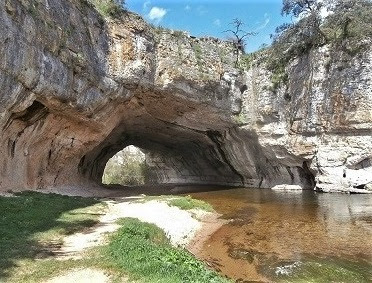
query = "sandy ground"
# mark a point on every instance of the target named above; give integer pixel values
(188, 229)
(180, 226)
(6, 194)
(184, 228)
(210, 224)
(87, 275)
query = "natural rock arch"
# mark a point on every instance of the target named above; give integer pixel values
(75, 89)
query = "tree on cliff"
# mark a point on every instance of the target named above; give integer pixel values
(309, 14)
(344, 24)
(349, 19)
(239, 38)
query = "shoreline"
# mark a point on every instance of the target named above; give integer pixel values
(189, 229)
(210, 224)
(186, 228)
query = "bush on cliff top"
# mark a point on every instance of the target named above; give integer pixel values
(347, 28)
(109, 8)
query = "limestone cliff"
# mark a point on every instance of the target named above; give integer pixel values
(77, 88)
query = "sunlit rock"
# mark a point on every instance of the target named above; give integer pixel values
(285, 187)
(76, 88)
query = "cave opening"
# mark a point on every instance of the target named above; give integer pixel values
(127, 167)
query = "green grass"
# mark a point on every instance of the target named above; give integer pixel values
(188, 202)
(143, 250)
(31, 221)
(138, 251)
(182, 202)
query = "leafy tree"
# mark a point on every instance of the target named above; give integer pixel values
(309, 12)
(127, 167)
(349, 19)
(300, 7)
(347, 27)
(239, 38)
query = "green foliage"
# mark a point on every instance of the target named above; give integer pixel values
(32, 221)
(240, 119)
(143, 250)
(351, 20)
(199, 57)
(188, 202)
(127, 167)
(250, 59)
(299, 7)
(347, 29)
(109, 8)
(31, 218)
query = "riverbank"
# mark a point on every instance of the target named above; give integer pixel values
(290, 236)
(77, 238)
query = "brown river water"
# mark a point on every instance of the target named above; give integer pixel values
(304, 236)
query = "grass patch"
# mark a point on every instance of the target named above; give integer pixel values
(144, 251)
(188, 202)
(182, 202)
(31, 220)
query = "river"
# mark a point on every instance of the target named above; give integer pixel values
(304, 236)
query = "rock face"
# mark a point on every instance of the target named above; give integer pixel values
(76, 89)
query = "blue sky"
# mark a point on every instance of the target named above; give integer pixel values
(212, 17)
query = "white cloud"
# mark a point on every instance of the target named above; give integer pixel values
(156, 14)
(217, 22)
(187, 8)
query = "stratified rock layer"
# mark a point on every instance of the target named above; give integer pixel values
(76, 89)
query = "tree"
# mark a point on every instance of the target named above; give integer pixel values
(239, 38)
(349, 19)
(309, 12)
(300, 7)
(127, 167)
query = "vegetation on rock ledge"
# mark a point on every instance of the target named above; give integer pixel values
(109, 8)
(346, 28)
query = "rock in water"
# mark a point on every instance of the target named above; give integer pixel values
(287, 187)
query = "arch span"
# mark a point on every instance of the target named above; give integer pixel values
(70, 102)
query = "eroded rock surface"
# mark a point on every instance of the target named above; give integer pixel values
(76, 89)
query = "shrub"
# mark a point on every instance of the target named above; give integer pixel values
(109, 8)
(347, 28)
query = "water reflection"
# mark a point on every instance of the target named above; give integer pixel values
(272, 230)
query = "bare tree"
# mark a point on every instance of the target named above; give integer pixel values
(239, 38)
